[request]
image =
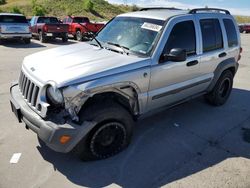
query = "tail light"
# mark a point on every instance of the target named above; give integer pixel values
(30, 29)
(241, 50)
(0, 29)
(45, 28)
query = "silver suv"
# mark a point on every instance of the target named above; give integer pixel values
(14, 26)
(86, 97)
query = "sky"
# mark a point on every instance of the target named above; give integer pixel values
(237, 7)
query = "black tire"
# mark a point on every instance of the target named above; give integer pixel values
(26, 41)
(42, 38)
(65, 38)
(74, 37)
(222, 89)
(110, 136)
(79, 35)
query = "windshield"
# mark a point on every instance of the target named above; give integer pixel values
(12, 19)
(139, 35)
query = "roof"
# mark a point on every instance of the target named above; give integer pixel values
(10, 14)
(160, 14)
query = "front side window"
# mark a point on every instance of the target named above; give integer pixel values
(211, 34)
(139, 35)
(231, 33)
(182, 36)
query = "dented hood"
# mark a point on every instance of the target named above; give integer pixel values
(78, 62)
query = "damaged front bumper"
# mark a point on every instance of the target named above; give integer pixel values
(49, 131)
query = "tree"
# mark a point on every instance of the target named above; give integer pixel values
(15, 10)
(88, 5)
(135, 8)
(2, 2)
(39, 10)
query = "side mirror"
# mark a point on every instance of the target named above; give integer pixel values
(176, 55)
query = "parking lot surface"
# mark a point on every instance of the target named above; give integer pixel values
(191, 145)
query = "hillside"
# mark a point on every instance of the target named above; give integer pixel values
(100, 9)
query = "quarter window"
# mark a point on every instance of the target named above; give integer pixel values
(211, 34)
(182, 36)
(231, 33)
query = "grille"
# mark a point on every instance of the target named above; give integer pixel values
(28, 89)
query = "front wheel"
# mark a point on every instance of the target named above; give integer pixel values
(79, 36)
(110, 136)
(222, 90)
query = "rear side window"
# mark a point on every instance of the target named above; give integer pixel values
(12, 19)
(211, 34)
(231, 33)
(182, 36)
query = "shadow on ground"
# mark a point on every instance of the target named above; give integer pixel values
(167, 146)
(20, 44)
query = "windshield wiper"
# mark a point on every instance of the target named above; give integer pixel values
(92, 34)
(124, 48)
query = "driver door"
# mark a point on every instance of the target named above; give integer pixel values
(174, 81)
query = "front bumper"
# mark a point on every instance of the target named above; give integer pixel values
(49, 131)
(15, 36)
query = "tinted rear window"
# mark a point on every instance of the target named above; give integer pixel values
(231, 33)
(80, 20)
(12, 19)
(211, 35)
(47, 20)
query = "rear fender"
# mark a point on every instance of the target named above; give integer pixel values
(224, 65)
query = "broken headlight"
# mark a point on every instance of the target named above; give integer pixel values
(54, 95)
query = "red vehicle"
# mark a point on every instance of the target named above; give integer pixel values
(46, 28)
(244, 28)
(77, 30)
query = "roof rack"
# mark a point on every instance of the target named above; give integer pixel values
(159, 8)
(194, 11)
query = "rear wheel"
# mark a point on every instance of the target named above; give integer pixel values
(65, 38)
(222, 90)
(26, 41)
(79, 35)
(110, 136)
(42, 38)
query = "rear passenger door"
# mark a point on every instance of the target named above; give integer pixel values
(213, 43)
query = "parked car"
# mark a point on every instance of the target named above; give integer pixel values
(14, 26)
(82, 30)
(244, 28)
(46, 28)
(85, 97)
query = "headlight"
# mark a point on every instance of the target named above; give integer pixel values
(54, 95)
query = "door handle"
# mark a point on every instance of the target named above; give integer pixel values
(224, 54)
(192, 63)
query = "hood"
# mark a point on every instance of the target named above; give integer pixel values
(78, 62)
